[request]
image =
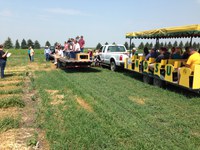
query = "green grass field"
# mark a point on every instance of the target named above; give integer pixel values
(95, 108)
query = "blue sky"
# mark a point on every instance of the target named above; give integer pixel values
(97, 20)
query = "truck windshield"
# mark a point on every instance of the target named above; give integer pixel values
(116, 49)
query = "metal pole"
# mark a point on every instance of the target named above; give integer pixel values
(130, 43)
(157, 43)
(191, 41)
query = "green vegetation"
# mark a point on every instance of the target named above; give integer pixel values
(8, 123)
(127, 114)
(98, 109)
(32, 141)
(11, 102)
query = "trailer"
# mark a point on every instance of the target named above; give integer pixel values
(82, 60)
(166, 71)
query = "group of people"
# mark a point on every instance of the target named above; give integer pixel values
(70, 49)
(191, 55)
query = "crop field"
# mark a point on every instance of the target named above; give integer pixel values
(91, 108)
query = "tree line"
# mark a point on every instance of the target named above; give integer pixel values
(168, 45)
(24, 44)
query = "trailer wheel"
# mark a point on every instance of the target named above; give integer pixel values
(113, 66)
(147, 79)
(158, 82)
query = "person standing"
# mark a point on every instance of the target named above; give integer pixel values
(46, 53)
(82, 44)
(77, 48)
(32, 53)
(3, 59)
(29, 53)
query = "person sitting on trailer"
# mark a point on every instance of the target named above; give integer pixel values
(164, 54)
(193, 60)
(145, 51)
(133, 52)
(152, 54)
(177, 53)
(186, 54)
(173, 49)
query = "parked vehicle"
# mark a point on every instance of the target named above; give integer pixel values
(113, 56)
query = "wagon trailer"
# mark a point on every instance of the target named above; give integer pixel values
(166, 71)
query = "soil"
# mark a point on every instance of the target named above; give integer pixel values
(18, 138)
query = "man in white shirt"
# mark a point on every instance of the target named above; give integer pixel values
(76, 49)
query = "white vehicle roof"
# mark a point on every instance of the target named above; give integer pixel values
(113, 45)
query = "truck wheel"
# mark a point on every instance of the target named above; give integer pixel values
(113, 66)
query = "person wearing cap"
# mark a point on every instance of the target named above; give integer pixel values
(47, 53)
(134, 52)
(3, 59)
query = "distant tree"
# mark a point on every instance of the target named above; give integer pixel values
(194, 45)
(37, 45)
(198, 46)
(157, 45)
(161, 44)
(30, 43)
(151, 45)
(175, 44)
(165, 45)
(98, 46)
(47, 43)
(147, 45)
(180, 44)
(169, 45)
(55, 43)
(23, 44)
(126, 45)
(8, 44)
(132, 45)
(187, 44)
(141, 46)
(106, 43)
(17, 46)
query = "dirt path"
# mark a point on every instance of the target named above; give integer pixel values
(27, 136)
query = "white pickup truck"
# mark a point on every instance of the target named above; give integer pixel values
(113, 56)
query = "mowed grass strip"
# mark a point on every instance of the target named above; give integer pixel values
(127, 114)
(11, 91)
(8, 123)
(12, 102)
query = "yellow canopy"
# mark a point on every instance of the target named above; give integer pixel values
(172, 32)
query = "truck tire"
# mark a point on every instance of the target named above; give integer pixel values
(113, 66)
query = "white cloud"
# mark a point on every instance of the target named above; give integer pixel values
(6, 13)
(69, 12)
